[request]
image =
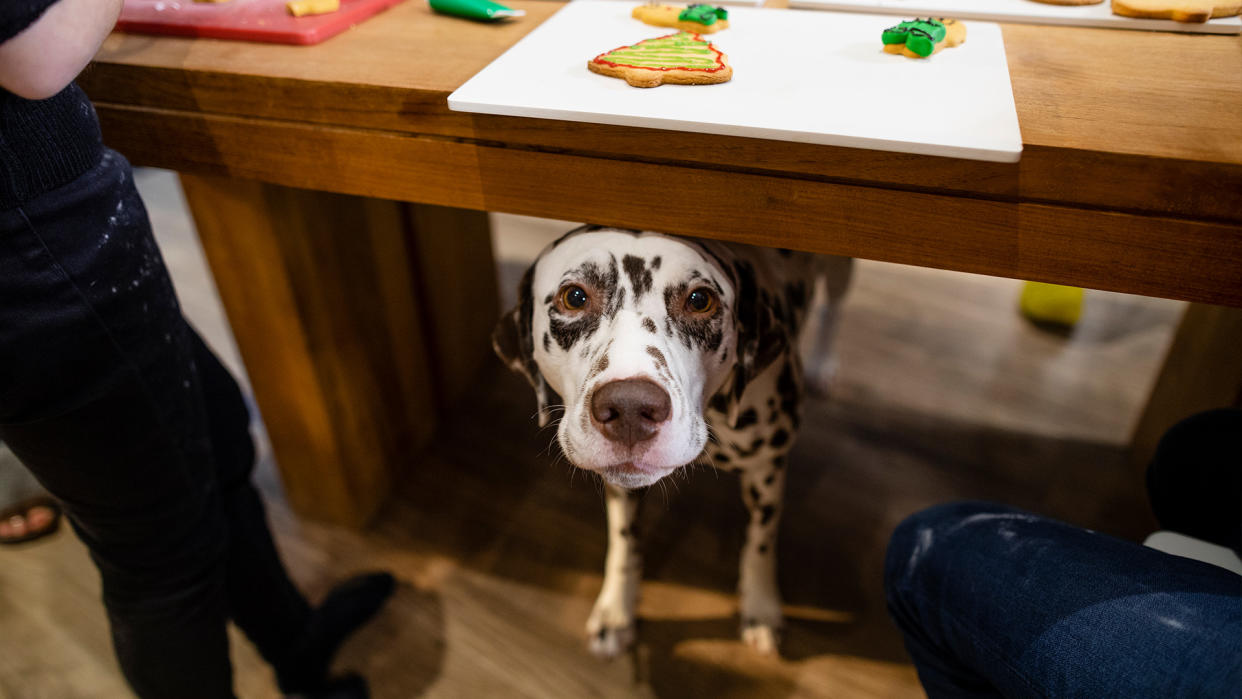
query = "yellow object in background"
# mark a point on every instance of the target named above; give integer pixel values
(1051, 303)
(298, 8)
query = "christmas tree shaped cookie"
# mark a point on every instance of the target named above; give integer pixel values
(684, 58)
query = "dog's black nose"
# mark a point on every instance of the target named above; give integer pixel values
(630, 411)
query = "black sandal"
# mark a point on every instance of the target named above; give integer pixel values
(22, 510)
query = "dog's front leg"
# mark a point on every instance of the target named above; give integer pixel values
(763, 487)
(611, 626)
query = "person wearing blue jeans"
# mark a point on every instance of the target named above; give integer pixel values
(994, 601)
(121, 411)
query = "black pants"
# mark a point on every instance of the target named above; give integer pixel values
(121, 411)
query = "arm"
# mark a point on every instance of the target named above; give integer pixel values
(49, 54)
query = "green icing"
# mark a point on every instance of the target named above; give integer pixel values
(677, 50)
(703, 14)
(919, 35)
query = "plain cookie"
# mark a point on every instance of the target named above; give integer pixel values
(1177, 10)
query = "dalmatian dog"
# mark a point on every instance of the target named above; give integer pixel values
(668, 351)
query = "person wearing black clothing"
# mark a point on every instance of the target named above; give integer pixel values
(119, 408)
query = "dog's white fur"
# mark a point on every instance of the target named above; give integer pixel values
(733, 377)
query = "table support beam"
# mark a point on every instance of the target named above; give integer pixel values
(336, 304)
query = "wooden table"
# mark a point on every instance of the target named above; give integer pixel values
(340, 204)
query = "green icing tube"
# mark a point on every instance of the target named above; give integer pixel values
(475, 9)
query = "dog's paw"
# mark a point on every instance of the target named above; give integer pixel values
(765, 639)
(608, 642)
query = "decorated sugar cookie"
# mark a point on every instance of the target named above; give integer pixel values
(920, 38)
(683, 58)
(698, 18)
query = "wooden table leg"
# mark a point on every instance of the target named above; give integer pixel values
(1203, 370)
(345, 310)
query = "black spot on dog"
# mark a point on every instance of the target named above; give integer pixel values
(695, 332)
(722, 457)
(719, 403)
(658, 356)
(640, 277)
(787, 390)
(746, 419)
(655, 262)
(600, 365)
(771, 402)
(779, 438)
(615, 303)
(774, 418)
(768, 512)
(548, 298)
(547, 342)
(796, 294)
(649, 325)
(770, 479)
(568, 330)
(754, 447)
(779, 462)
(763, 548)
(754, 495)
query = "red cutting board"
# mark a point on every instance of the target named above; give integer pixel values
(250, 20)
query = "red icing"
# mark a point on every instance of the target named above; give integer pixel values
(720, 64)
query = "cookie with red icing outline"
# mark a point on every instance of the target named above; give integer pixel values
(684, 58)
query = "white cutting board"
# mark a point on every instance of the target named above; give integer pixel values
(809, 77)
(1023, 12)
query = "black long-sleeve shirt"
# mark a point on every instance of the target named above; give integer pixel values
(44, 144)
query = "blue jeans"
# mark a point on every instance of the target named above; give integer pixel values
(994, 601)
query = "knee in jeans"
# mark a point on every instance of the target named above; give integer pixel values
(912, 549)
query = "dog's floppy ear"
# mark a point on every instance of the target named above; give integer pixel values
(515, 345)
(761, 340)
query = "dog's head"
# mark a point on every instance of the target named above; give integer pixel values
(636, 332)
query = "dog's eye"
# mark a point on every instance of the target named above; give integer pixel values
(701, 301)
(574, 298)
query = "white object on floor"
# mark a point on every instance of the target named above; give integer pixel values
(1198, 549)
(1023, 12)
(809, 77)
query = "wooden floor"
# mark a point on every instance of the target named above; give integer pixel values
(943, 393)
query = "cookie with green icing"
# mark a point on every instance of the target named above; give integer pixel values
(697, 18)
(684, 58)
(920, 38)
(703, 14)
